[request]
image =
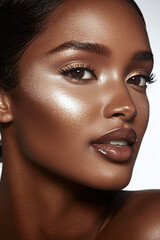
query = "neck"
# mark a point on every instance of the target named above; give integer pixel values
(44, 206)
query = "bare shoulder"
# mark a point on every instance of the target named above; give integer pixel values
(137, 216)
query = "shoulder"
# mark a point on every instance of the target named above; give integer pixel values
(137, 216)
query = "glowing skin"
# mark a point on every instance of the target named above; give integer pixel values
(66, 114)
(57, 117)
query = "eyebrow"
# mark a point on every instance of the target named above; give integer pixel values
(99, 49)
(143, 56)
(85, 46)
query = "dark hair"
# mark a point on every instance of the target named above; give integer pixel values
(20, 22)
(133, 4)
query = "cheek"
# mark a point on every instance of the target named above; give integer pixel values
(49, 121)
(141, 121)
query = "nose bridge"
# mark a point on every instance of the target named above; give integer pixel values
(120, 102)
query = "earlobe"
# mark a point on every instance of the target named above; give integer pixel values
(5, 108)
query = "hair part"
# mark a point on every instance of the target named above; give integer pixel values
(20, 22)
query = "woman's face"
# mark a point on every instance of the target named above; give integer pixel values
(85, 77)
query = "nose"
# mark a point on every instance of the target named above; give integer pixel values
(119, 104)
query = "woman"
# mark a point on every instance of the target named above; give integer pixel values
(73, 112)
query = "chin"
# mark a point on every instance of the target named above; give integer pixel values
(113, 186)
(110, 181)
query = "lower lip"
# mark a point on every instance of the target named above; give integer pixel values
(115, 153)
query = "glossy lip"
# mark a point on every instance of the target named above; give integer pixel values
(116, 153)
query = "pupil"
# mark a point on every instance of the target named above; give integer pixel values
(135, 80)
(77, 73)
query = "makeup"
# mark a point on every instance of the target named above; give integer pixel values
(76, 113)
(77, 84)
(117, 145)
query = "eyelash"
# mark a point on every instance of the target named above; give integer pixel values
(69, 70)
(148, 79)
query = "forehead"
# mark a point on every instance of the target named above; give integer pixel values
(114, 23)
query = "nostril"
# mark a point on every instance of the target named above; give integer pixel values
(120, 106)
(118, 114)
(126, 113)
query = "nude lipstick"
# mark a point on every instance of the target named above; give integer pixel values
(117, 145)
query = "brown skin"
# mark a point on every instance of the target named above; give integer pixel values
(53, 181)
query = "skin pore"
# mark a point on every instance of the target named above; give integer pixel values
(55, 185)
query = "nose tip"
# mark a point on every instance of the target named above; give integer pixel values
(126, 112)
(120, 106)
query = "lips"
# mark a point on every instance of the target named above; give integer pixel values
(117, 145)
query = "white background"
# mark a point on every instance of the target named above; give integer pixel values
(147, 169)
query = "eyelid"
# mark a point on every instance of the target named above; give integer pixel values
(77, 65)
(139, 72)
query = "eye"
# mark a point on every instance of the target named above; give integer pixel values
(141, 80)
(79, 72)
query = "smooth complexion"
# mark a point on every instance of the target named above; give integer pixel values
(67, 114)
(56, 116)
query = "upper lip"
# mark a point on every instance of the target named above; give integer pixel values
(127, 134)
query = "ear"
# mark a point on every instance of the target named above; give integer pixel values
(5, 107)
